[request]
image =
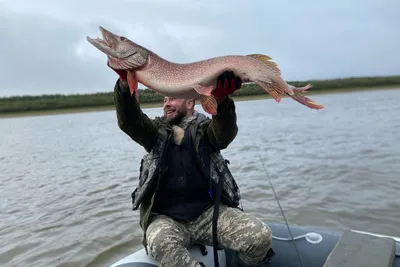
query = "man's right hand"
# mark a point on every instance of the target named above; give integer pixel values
(227, 83)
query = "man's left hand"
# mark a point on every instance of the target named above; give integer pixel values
(227, 84)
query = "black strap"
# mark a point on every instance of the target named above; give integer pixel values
(215, 220)
(217, 200)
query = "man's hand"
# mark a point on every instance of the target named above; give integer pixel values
(227, 84)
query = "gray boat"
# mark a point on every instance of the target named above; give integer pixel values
(310, 247)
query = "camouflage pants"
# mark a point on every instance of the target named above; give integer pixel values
(168, 240)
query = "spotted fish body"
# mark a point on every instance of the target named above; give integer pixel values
(180, 79)
(197, 79)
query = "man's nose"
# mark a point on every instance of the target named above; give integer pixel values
(166, 103)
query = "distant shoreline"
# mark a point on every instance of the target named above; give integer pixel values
(50, 104)
(159, 104)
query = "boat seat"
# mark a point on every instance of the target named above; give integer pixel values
(360, 250)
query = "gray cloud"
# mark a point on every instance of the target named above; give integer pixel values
(44, 48)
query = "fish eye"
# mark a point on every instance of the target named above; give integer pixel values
(122, 38)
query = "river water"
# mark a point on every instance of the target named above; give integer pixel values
(66, 180)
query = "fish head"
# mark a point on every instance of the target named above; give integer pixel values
(121, 52)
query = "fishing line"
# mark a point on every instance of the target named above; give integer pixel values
(283, 214)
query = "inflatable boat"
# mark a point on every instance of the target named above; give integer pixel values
(315, 248)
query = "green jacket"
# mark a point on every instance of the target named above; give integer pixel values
(155, 134)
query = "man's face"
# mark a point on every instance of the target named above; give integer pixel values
(175, 109)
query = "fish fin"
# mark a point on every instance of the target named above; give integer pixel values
(260, 57)
(304, 100)
(208, 101)
(209, 104)
(133, 84)
(301, 89)
(203, 90)
(266, 60)
(271, 89)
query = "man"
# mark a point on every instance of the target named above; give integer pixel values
(177, 179)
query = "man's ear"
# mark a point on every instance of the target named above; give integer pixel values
(190, 104)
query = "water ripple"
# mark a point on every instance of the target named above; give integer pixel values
(66, 180)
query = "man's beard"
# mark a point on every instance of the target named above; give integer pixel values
(180, 114)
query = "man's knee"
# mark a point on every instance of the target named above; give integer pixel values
(258, 245)
(263, 240)
(259, 242)
(163, 235)
(168, 240)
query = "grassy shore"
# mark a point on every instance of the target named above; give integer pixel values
(61, 104)
(159, 104)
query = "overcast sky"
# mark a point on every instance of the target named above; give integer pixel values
(44, 49)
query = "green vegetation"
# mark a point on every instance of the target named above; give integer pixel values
(25, 104)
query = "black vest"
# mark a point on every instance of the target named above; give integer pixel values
(184, 190)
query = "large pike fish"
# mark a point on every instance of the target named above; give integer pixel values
(197, 79)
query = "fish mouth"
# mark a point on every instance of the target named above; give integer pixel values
(108, 43)
(104, 44)
(109, 39)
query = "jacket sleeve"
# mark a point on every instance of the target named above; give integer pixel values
(132, 120)
(222, 129)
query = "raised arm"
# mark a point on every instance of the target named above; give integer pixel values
(222, 129)
(131, 119)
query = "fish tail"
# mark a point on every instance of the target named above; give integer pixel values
(304, 100)
(300, 89)
(279, 86)
(276, 89)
